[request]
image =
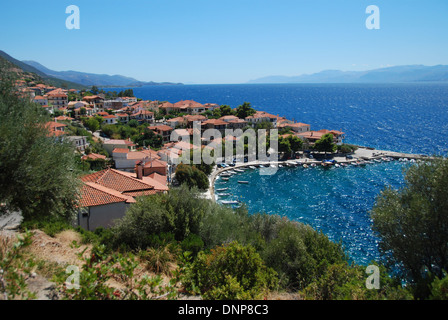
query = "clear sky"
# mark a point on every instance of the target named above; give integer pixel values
(224, 41)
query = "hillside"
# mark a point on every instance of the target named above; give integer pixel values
(398, 74)
(92, 79)
(24, 70)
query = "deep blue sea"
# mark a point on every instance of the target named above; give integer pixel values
(410, 118)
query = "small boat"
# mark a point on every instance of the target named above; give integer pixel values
(305, 165)
(223, 194)
(225, 175)
(222, 189)
(238, 170)
(252, 167)
(243, 182)
(230, 202)
(225, 179)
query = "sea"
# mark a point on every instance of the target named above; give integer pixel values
(410, 118)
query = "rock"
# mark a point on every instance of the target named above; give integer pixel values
(42, 288)
(10, 221)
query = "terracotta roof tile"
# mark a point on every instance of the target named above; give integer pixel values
(93, 194)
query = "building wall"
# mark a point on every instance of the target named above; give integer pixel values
(102, 216)
(125, 164)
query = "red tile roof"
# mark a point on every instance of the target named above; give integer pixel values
(161, 128)
(93, 156)
(124, 182)
(93, 194)
(120, 150)
(215, 122)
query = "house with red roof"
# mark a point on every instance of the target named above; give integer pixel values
(126, 160)
(106, 195)
(163, 130)
(41, 100)
(260, 117)
(111, 144)
(143, 116)
(55, 128)
(110, 119)
(190, 107)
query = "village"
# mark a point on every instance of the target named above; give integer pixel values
(135, 170)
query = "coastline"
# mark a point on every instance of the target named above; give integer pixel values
(361, 154)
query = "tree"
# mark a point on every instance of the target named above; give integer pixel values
(230, 272)
(191, 176)
(178, 212)
(244, 110)
(148, 139)
(284, 146)
(37, 169)
(412, 224)
(94, 90)
(225, 110)
(91, 123)
(295, 142)
(325, 144)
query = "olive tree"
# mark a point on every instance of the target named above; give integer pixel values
(412, 224)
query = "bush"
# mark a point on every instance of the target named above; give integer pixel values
(180, 212)
(158, 260)
(50, 225)
(300, 254)
(342, 281)
(347, 148)
(192, 243)
(439, 289)
(192, 177)
(230, 272)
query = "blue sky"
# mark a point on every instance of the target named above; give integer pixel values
(231, 41)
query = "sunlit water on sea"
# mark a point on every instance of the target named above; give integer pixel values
(409, 118)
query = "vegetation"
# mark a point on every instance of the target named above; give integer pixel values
(38, 170)
(244, 110)
(14, 268)
(242, 256)
(412, 226)
(139, 134)
(325, 144)
(191, 176)
(231, 272)
(346, 148)
(100, 267)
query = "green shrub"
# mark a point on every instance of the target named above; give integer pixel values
(50, 225)
(300, 254)
(192, 243)
(439, 289)
(179, 212)
(100, 267)
(158, 260)
(230, 272)
(342, 281)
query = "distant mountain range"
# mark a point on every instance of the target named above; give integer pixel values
(92, 79)
(76, 78)
(398, 74)
(11, 62)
